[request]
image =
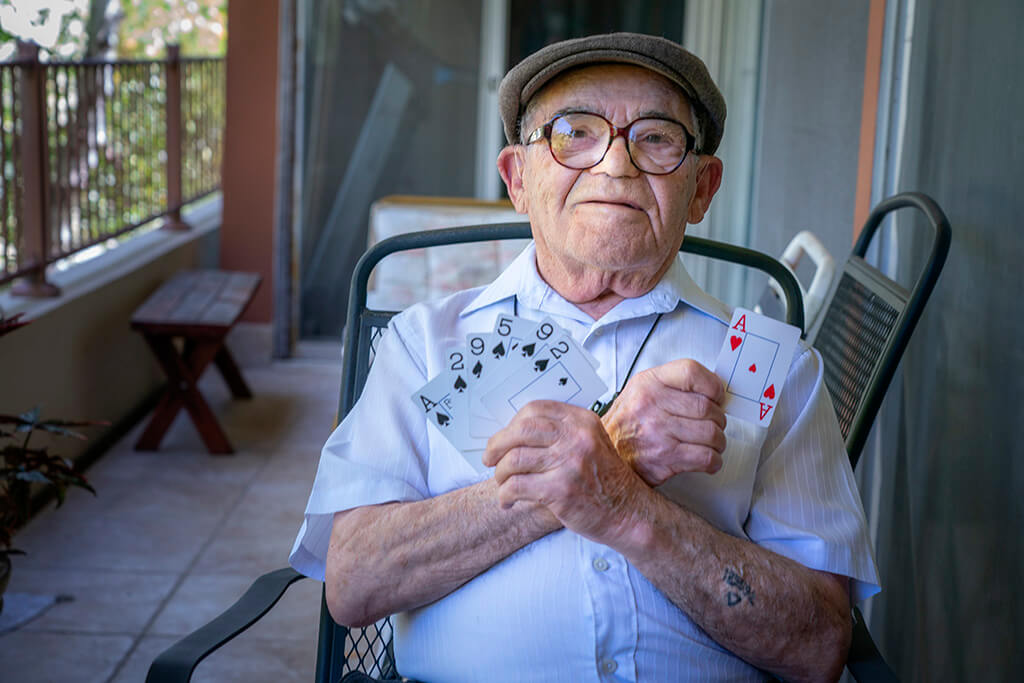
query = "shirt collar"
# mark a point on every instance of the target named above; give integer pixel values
(522, 280)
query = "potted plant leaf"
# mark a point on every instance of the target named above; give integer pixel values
(23, 463)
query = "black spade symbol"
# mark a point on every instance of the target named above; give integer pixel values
(499, 350)
(563, 381)
(540, 365)
(460, 384)
(442, 419)
(477, 369)
(528, 350)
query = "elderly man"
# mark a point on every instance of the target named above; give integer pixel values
(658, 542)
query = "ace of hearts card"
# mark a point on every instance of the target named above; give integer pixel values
(753, 364)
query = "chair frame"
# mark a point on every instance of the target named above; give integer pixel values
(178, 662)
(361, 319)
(865, 661)
(910, 303)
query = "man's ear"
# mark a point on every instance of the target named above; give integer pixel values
(510, 166)
(709, 179)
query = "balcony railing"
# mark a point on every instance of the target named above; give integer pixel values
(92, 150)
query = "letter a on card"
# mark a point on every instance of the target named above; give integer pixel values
(753, 364)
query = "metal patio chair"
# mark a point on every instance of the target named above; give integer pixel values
(867, 321)
(340, 649)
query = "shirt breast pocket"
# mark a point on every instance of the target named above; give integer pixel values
(723, 498)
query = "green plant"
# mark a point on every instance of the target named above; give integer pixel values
(22, 464)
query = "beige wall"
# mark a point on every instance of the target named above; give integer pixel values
(247, 236)
(79, 358)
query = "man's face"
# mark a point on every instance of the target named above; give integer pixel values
(609, 228)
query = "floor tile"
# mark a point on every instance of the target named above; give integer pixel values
(244, 660)
(100, 601)
(135, 666)
(179, 467)
(201, 597)
(130, 526)
(258, 535)
(177, 535)
(296, 464)
(32, 657)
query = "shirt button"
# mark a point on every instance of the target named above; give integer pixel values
(601, 565)
(609, 666)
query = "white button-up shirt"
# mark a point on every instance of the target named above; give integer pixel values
(565, 608)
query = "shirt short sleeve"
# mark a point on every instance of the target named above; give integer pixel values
(376, 455)
(805, 503)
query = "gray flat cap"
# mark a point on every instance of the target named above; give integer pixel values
(660, 55)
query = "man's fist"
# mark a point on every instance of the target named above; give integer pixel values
(559, 455)
(669, 419)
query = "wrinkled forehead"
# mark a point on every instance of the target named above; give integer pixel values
(609, 89)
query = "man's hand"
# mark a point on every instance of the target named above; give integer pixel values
(668, 420)
(559, 455)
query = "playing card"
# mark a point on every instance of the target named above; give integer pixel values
(520, 361)
(484, 353)
(558, 372)
(515, 331)
(520, 331)
(494, 372)
(459, 368)
(436, 399)
(534, 337)
(753, 364)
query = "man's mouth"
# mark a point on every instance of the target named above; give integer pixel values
(617, 202)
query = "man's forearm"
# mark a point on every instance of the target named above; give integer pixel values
(394, 557)
(771, 611)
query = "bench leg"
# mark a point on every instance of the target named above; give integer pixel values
(182, 374)
(232, 375)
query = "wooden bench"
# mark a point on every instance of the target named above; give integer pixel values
(199, 307)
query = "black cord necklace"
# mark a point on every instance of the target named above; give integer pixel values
(599, 407)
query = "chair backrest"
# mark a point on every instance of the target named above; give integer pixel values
(868, 321)
(368, 649)
(413, 275)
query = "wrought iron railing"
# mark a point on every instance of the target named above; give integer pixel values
(92, 150)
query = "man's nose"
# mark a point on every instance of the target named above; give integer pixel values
(616, 161)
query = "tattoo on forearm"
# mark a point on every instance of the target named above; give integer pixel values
(738, 588)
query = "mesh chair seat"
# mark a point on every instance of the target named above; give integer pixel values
(852, 337)
(868, 321)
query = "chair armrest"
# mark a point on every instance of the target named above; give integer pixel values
(864, 661)
(177, 662)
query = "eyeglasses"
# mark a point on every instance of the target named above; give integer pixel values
(580, 141)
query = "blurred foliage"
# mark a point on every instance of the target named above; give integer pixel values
(127, 29)
(199, 26)
(106, 123)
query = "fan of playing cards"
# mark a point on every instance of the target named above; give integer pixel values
(494, 374)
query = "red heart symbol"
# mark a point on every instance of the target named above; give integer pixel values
(769, 393)
(735, 341)
(753, 367)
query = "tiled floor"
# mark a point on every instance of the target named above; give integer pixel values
(174, 537)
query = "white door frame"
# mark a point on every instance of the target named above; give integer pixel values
(489, 134)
